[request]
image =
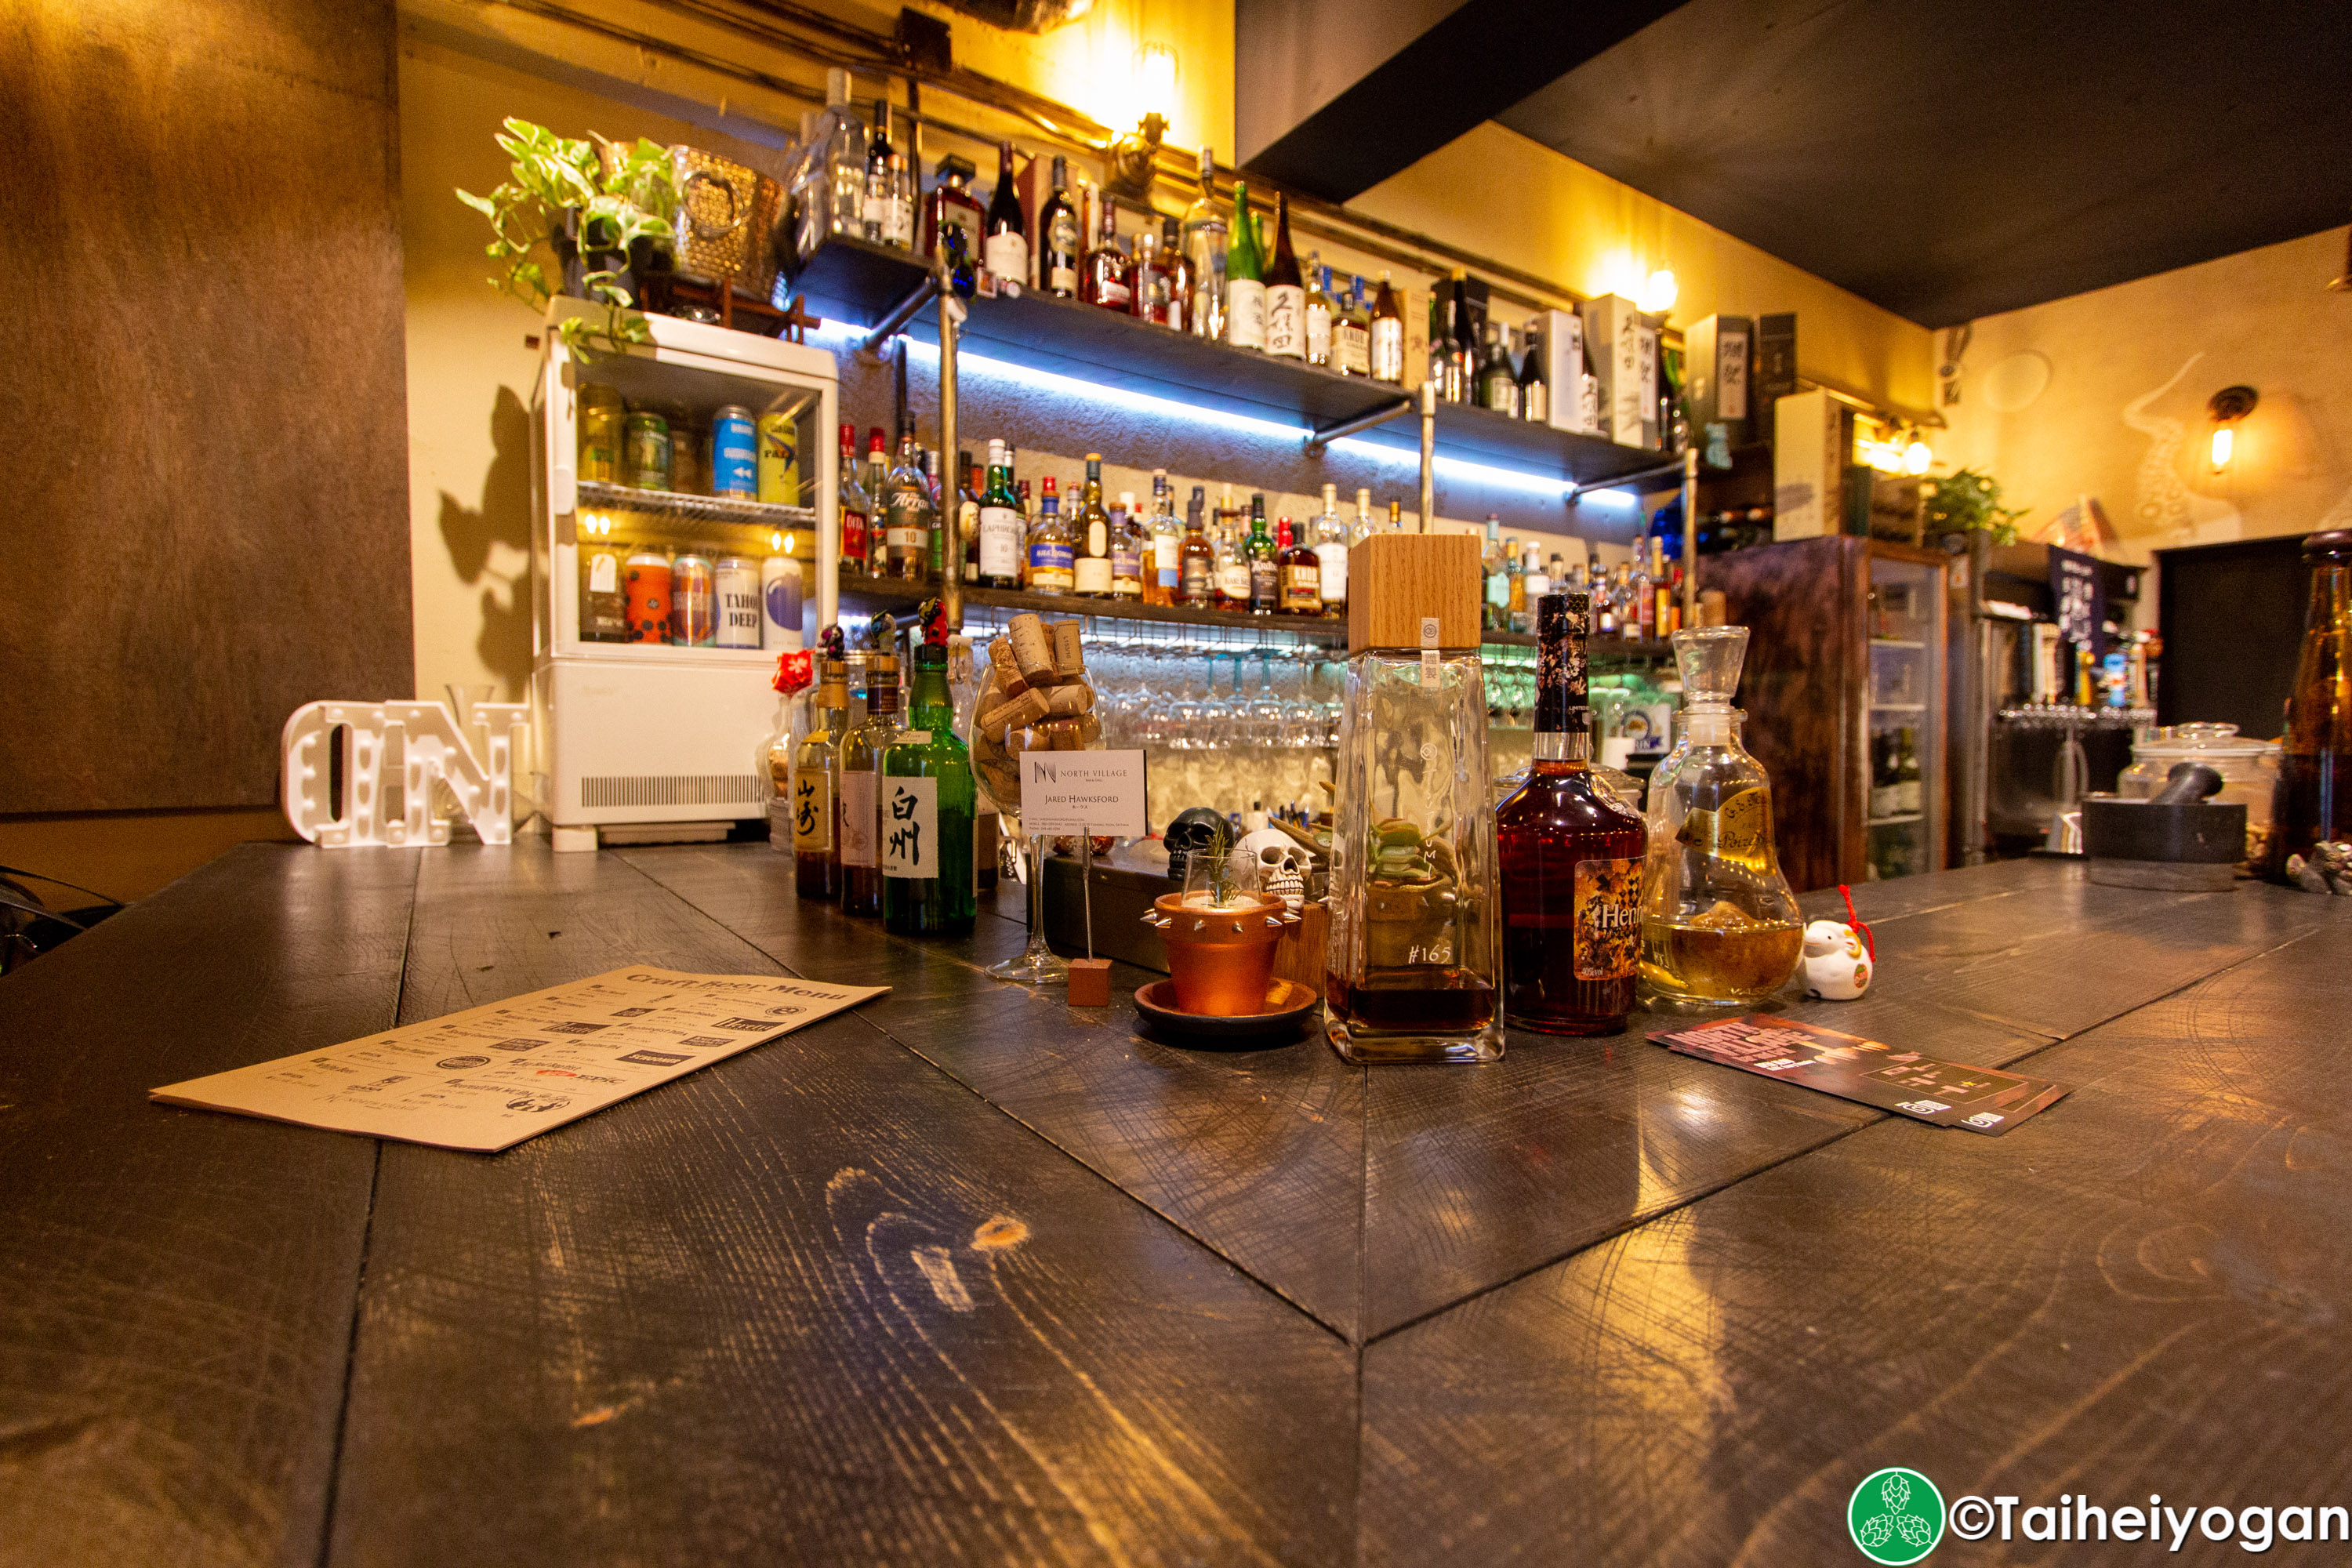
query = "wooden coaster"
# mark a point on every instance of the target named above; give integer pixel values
(1090, 983)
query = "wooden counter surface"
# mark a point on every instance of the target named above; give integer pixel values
(966, 1276)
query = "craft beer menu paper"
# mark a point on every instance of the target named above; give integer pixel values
(487, 1078)
(1868, 1072)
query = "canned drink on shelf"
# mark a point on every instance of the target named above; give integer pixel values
(645, 450)
(779, 456)
(735, 583)
(689, 475)
(645, 586)
(693, 603)
(734, 454)
(781, 588)
(602, 416)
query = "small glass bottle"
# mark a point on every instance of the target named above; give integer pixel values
(861, 768)
(1059, 240)
(1000, 530)
(816, 786)
(2311, 802)
(1052, 561)
(1571, 857)
(1196, 560)
(1299, 580)
(1719, 926)
(1204, 257)
(857, 507)
(952, 204)
(878, 493)
(1264, 571)
(928, 805)
(1388, 334)
(1127, 548)
(1331, 555)
(1163, 566)
(1108, 277)
(909, 516)
(1090, 566)
(1005, 251)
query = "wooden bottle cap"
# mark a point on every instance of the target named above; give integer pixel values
(1396, 580)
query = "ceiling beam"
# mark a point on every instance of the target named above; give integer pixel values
(1334, 96)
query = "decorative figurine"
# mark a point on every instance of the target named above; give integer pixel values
(1835, 967)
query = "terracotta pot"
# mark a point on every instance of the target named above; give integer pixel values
(1222, 960)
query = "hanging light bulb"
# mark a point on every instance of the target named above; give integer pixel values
(776, 542)
(2225, 442)
(1916, 457)
(1658, 293)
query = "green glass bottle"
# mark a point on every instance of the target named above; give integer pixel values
(1245, 278)
(928, 805)
(1264, 571)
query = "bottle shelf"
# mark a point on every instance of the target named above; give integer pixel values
(862, 283)
(1897, 820)
(1596, 649)
(896, 592)
(596, 495)
(1895, 642)
(1898, 708)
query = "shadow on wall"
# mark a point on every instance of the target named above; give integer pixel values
(490, 545)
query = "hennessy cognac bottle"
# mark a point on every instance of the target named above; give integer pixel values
(1571, 857)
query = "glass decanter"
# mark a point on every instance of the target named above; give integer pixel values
(1719, 926)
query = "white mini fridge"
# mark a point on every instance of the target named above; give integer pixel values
(656, 738)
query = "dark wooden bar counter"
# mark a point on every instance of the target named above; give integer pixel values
(966, 1277)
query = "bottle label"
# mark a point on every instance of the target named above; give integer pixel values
(1112, 294)
(1333, 559)
(1740, 832)
(1061, 248)
(1245, 312)
(1092, 575)
(1049, 565)
(857, 818)
(1167, 558)
(905, 538)
(1233, 580)
(1000, 541)
(1007, 255)
(1126, 564)
(1302, 588)
(1265, 583)
(853, 536)
(1286, 321)
(1608, 918)
(1388, 351)
(1098, 538)
(1194, 581)
(1318, 333)
(1351, 349)
(911, 827)
(603, 573)
(812, 810)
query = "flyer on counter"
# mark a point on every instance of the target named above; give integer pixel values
(1868, 1072)
(487, 1078)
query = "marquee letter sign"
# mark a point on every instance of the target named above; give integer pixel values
(433, 747)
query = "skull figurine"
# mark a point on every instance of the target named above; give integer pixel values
(1198, 831)
(1282, 864)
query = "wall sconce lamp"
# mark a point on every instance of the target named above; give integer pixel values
(2228, 406)
(1659, 293)
(1135, 156)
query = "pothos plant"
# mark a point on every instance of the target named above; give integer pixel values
(1969, 499)
(600, 195)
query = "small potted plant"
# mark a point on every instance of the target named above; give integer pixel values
(602, 209)
(1968, 501)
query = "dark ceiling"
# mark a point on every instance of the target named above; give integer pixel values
(1946, 159)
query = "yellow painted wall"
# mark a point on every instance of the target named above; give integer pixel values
(1497, 192)
(2123, 413)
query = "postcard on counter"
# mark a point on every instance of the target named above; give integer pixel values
(1869, 1072)
(487, 1078)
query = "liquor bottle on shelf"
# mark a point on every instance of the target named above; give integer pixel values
(1498, 384)
(1366, 524)
(857, 506)
(1535, 581)
(1108, 279)
(1000, 530)
(861, 765)
(1244, 279)
(1090, 565)
(1443, 368)
(1321, 311)
(1642, 623)
(1153, 296)
(878, 495)
(1465, 338)
(603, 602)
(1196, 560)
(1265, 572)
(1176, 314)
(1534, 392)
(909, 516)
(1058, 237)
(1396, 517)
(943, 512)
(1004, 250)
(2311, 803)
(1052, 554)
(1331, 554)
(966, 544)
(929, 803)
(952, 206)
(1299, 575)
(1571, 857)
(1388, 335)
(882, 183)
(1127, 547)
(816, 785)
(1719, 926)
(1495, 572)
(1204, 257)
(1519, 614)
(1286, 292)
(1352, 330)
(1165, 568)
(1233, 578)
(834, 198)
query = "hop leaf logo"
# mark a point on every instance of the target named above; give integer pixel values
(1895, 1516)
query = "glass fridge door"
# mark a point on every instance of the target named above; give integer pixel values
(1906, 731)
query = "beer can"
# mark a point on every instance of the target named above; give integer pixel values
(687, 475)
(645, 445)
(693, 603)
(734, 454)
(645, 587)
(735, 584)
(779, 456)
(780, 587)
(602, 415)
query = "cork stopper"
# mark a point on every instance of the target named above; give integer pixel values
(1397, 580)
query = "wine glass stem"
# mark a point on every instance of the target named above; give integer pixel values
(1037, 947)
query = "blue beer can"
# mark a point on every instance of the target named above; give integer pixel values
(734, 454)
